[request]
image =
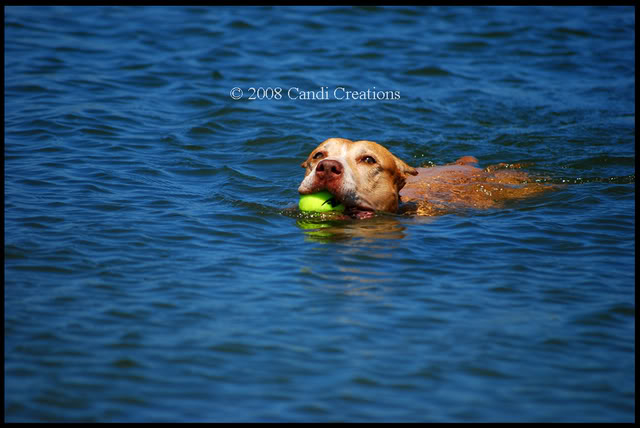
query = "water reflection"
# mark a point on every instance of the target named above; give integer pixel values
(325, 229)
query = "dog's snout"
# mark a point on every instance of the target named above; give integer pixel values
(329, 169)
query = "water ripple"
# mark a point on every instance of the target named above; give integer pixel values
(157, 267)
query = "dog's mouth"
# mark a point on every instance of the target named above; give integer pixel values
(355, 207)
(359, 213)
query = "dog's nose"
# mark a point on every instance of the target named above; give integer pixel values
(329, 169)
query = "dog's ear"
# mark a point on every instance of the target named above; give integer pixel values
(405, 169)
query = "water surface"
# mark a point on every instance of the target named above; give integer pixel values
(156, 268)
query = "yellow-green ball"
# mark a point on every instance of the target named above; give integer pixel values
(320, 202)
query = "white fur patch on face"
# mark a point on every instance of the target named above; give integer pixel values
(305, 186)
(348, 180)
(340, 153)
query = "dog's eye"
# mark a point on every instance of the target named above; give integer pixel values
(318, 155)
(369, 160)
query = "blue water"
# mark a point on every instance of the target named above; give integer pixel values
(156, 268)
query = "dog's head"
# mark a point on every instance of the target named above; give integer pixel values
(363, 175)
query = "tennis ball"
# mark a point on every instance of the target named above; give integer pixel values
(321, 202)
